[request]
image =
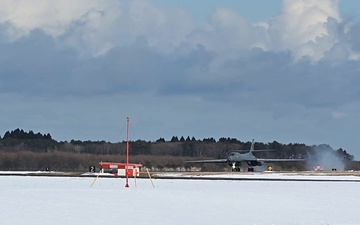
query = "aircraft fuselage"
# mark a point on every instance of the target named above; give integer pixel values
(235, 159)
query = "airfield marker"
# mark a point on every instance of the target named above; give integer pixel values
(150, 177)
(95, 180)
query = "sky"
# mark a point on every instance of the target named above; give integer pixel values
(288, 71)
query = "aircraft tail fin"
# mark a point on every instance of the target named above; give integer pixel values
(258, 150)
(252, 146)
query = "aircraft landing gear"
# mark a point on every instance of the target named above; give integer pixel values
(250, 169)
(235, 168)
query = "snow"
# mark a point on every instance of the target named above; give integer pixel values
(270, 176)
(291, 177)
(35, 200)
(28, 172)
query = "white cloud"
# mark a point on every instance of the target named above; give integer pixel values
(305, 28)
(234, 32)
(93, 27)
(301, 28)
(85, 23)
(53, 17)
(164, 30)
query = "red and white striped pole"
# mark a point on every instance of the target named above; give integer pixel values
(127, 153)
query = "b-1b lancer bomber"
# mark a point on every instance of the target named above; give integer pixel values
(235, 159)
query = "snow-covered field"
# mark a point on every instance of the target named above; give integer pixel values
(35, 200)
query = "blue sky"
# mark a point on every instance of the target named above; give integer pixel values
(286, 71)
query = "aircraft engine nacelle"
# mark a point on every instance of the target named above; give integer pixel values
(255, 163)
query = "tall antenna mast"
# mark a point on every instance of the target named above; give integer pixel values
(127, 152)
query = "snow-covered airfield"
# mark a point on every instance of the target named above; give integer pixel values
(35, 200)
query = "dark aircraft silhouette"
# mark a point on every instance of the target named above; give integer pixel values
(235, 159)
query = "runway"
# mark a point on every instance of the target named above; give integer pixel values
(303, 176)
(307, 176)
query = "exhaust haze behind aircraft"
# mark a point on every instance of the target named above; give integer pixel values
(235, 158)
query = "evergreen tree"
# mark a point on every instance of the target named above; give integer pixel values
(48, 136)
(160, 140)
(31, 135)
(209, 140)
(174, 139)
(7, 135)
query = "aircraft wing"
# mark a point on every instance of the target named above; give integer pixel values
(280, 160)
(263, 150)
(208, 161)
(256, 150)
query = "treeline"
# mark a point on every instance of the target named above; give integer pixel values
(21, 134)
(20, 150)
